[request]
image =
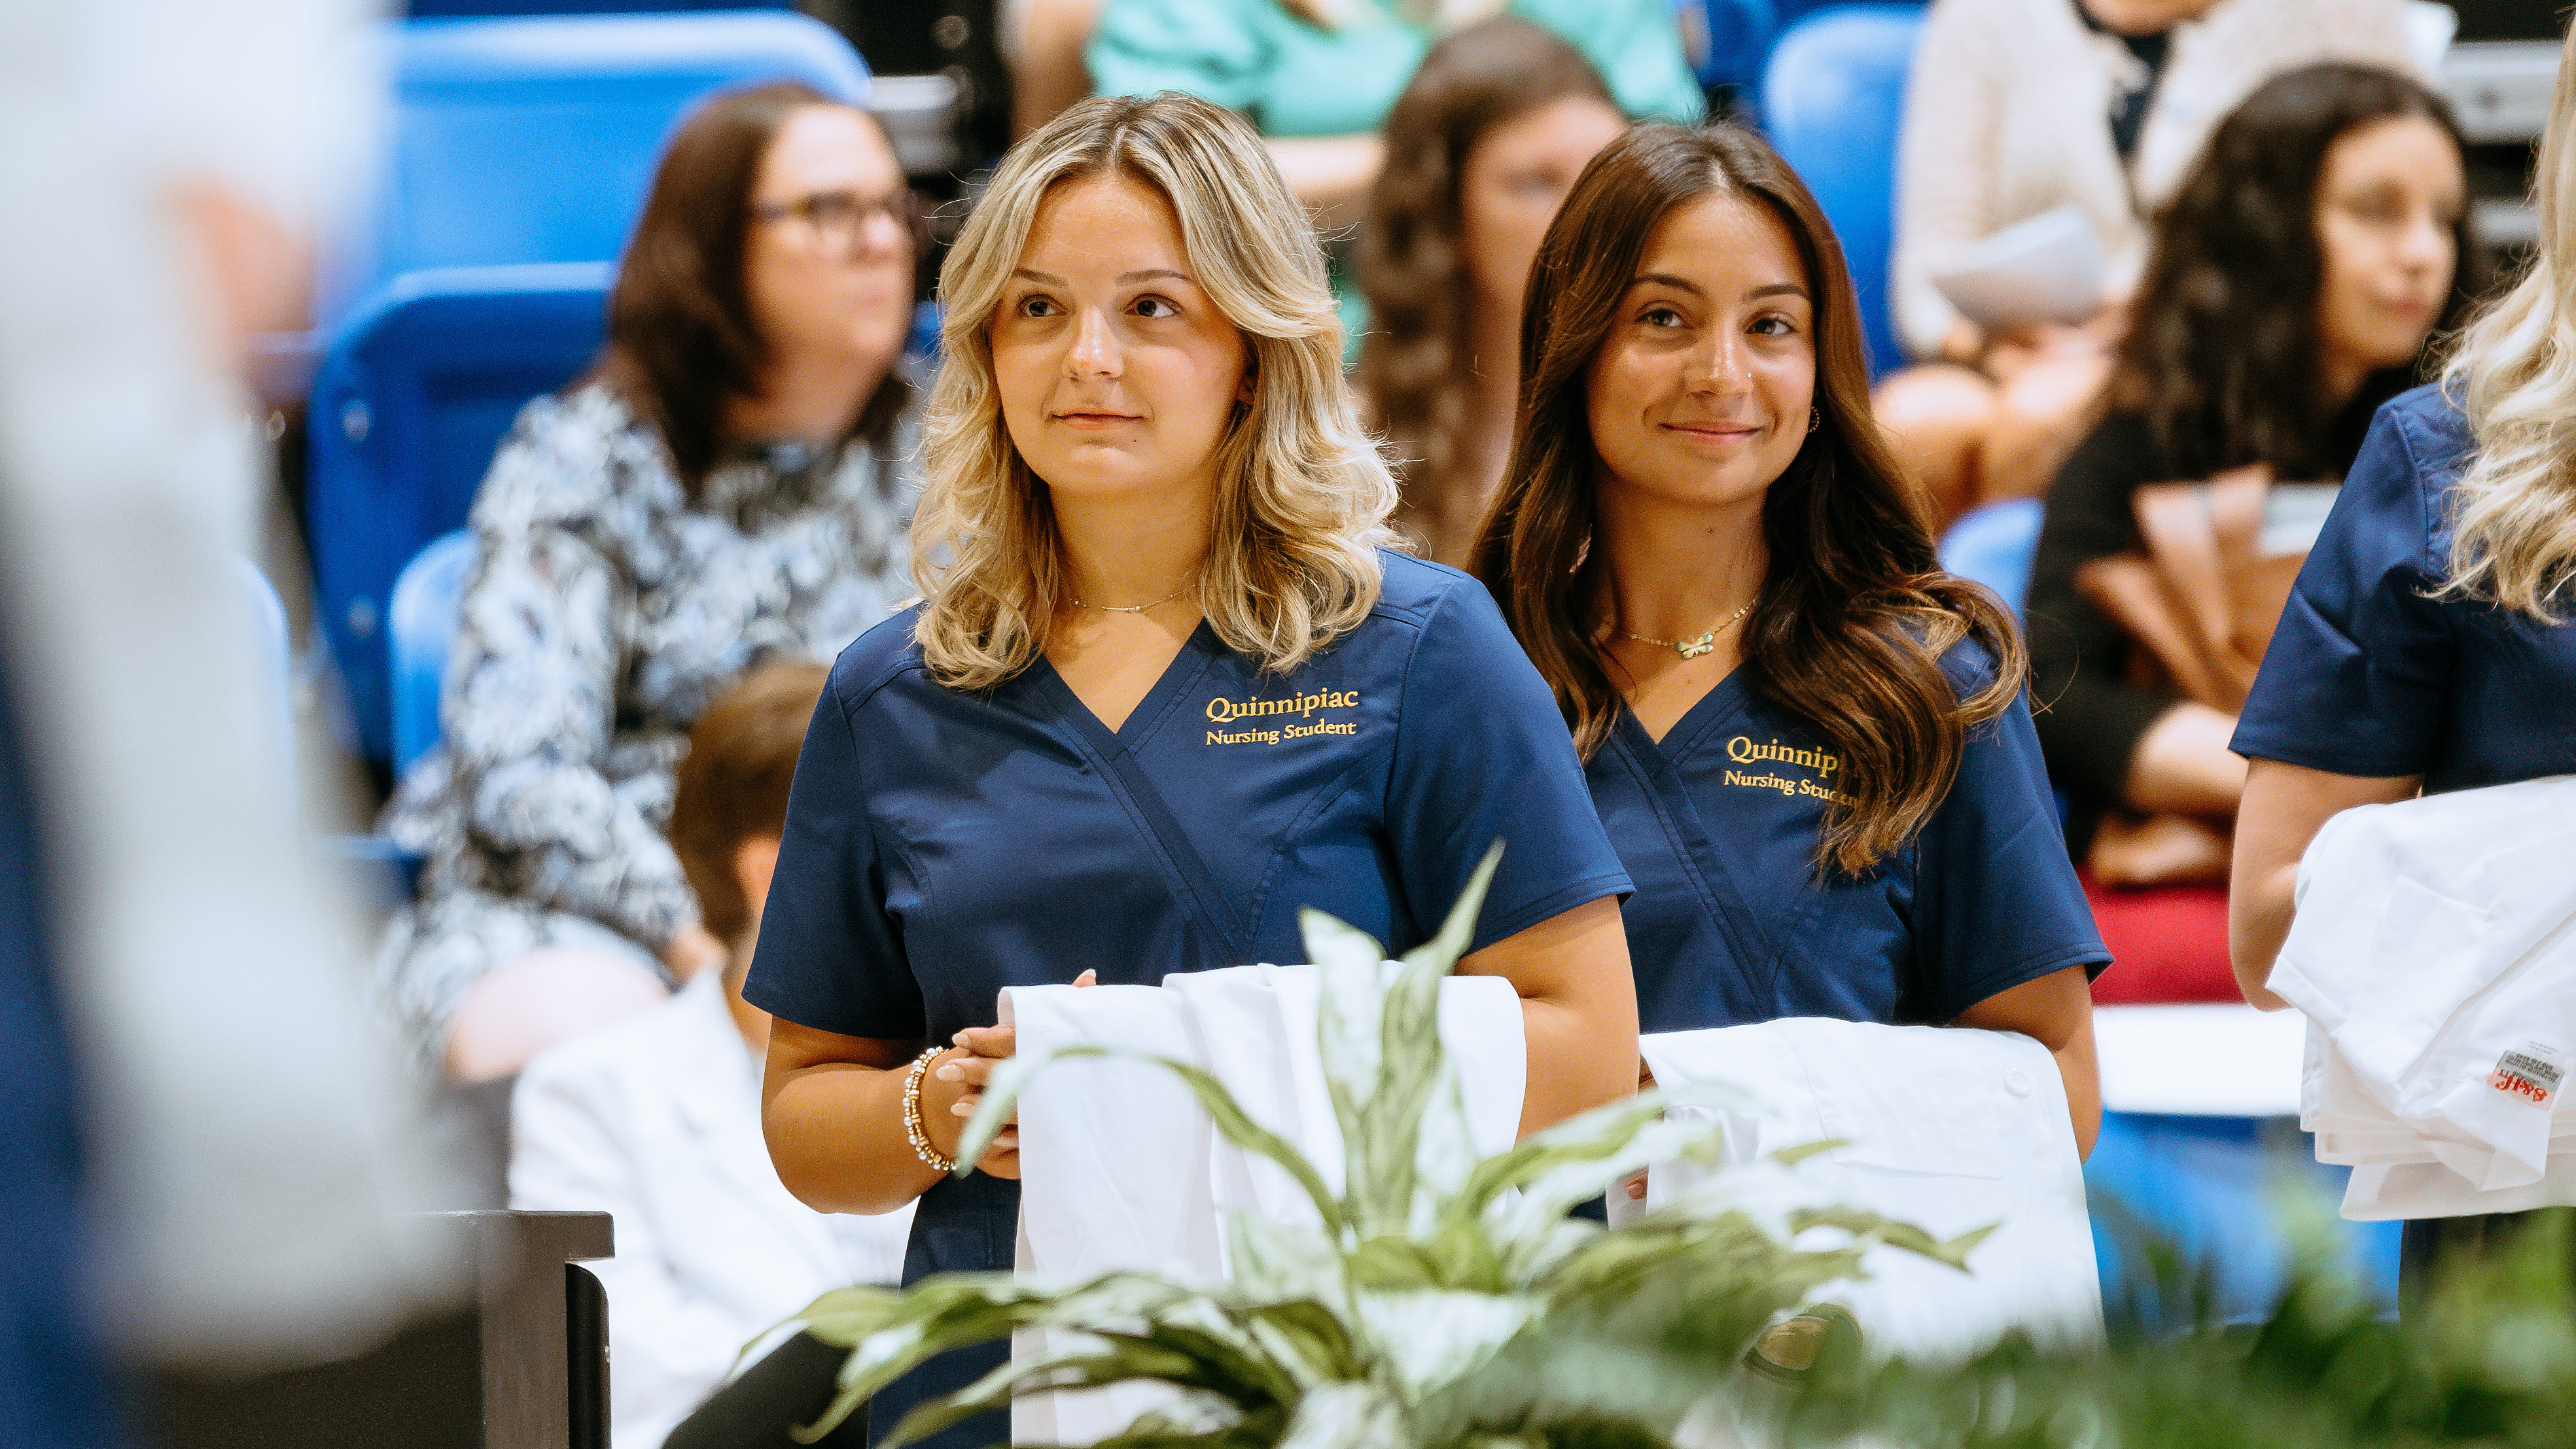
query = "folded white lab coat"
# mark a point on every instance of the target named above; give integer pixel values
(1946, 1128)
(2433, 954)
(1120, 1169)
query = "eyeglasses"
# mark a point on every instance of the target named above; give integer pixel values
(838, 218)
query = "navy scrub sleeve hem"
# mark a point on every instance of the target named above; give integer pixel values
(826, 945)
(1482, 726)
(2359, 674)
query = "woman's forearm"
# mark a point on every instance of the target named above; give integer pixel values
(1578, 1010)
(2284, 807)
(1578, 1060)
(835, 1126)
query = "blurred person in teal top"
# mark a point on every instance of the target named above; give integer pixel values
(1319, 76)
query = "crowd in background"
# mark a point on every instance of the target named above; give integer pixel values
(669, 550)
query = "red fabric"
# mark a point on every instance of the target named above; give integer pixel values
(2168, 943)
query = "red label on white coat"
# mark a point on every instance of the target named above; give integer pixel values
(2531, 1077)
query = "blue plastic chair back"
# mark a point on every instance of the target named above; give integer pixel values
(2225, 1192)
(534, 139)
(1740, 34)
(1831, 97)
(409, 404)
(427, 599)
(1994, 545)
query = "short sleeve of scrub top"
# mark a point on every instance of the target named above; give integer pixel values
(2367, 675)
(941, 846)
(1734, 921)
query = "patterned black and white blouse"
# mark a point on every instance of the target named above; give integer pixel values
(606, 610)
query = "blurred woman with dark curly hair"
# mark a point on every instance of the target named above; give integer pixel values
(2296, 278)
(1481, 149)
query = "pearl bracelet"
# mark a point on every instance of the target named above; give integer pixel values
(912, 1124)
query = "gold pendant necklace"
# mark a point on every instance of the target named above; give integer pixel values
(1694, 648)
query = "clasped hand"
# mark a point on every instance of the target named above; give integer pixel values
(980, 1052)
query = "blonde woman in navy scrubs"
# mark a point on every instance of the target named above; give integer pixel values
(1809, 745)
(2428, 644)
(1165, 687)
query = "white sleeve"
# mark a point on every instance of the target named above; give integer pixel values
(1946, 147)
(573, 1147)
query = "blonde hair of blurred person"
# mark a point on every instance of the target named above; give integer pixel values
(2004, 120)
(742, 421)
(1291, 532)
(1482, 148)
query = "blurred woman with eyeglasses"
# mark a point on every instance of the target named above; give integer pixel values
(730, 485)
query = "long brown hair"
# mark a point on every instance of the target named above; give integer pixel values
(1416, 366)
(2221, 355)
(1855, 613)
(681, 339)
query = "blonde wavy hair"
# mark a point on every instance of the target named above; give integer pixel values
(1302, 493)
(2513, 540)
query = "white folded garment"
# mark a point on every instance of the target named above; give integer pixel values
(1946, 1128)
(1120, 1169)
(2434, 955)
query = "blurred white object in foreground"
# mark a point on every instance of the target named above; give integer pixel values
(162, 165)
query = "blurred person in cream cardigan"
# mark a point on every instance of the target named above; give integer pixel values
(2018, 107)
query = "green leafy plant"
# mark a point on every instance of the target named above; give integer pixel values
(1440, 1299)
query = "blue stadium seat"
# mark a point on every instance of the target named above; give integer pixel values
(412, 399)
(534, 139)
(1831, 96)
(1994, 545)
(1739, 35)
(2237, 1198)
(521, 151)
(422, 622)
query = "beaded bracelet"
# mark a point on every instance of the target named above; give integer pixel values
(912, 1124)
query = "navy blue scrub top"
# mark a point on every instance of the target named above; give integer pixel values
(1734, 923)
(2366, 676)
(942, 845)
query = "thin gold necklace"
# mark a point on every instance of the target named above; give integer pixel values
(1694, 648)
(1137, 608)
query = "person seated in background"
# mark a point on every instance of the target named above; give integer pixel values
(1319, 76)
(1481, 149)
(2296, 279)
(1042, 42)
(656, 1119)
(727, 486)
(2006, 120)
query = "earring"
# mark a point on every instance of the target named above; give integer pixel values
(1815, 419)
